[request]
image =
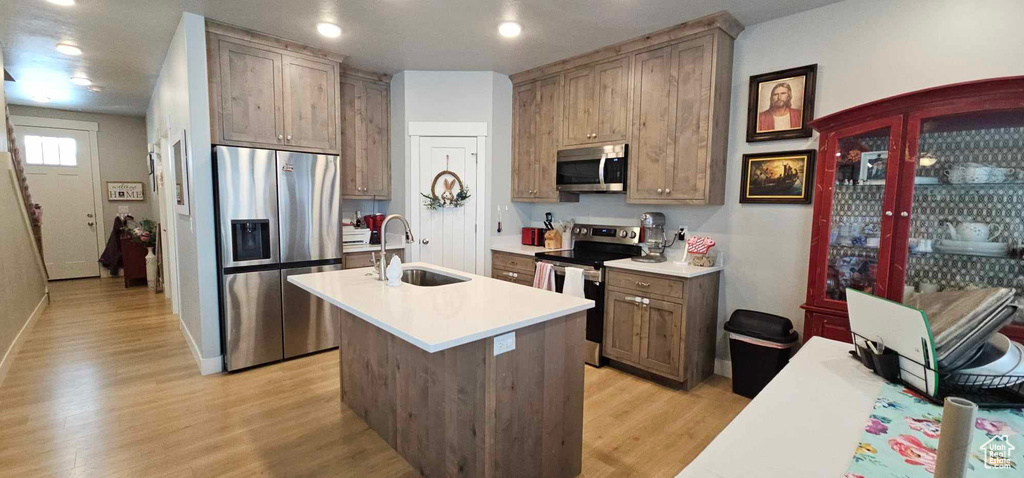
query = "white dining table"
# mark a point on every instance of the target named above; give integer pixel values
(806, 423)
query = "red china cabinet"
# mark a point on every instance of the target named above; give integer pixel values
(916, 193)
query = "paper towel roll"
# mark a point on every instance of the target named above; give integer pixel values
(955, 437)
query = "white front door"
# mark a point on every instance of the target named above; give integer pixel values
(58, 165)
(447, 236)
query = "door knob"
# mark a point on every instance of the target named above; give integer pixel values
(424, 241)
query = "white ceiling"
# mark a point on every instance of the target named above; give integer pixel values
(125, 40)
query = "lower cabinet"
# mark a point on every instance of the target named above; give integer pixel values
(513, 268)
(355, 260)
(669, 335)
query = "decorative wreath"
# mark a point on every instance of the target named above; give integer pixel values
(448, 198)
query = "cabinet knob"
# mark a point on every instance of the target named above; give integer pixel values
(289, 137)
(659, 190)
(668, 191)
(888, 213)
(643, 284)
(280, 136)
(904, 214)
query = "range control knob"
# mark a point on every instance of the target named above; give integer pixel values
(575, 230)
(632, 234)
(583, 231)
(623, 234)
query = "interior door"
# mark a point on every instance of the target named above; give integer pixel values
(58, 166)
(447, 236)
(309, 103)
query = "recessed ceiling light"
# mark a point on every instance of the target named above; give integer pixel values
(509, 29)
(63, 3)
(40, 98)
(328, 30)
(81, 81)
(68, 49)
(95, 89)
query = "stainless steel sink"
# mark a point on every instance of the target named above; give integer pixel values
(428, 278)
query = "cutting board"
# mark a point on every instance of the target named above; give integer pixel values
(901, 328)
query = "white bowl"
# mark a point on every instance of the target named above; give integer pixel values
(1000, 356)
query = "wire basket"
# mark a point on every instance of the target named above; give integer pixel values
(988, 391)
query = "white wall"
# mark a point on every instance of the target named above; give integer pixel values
(865, 50)
(457, 96)
(180, 102)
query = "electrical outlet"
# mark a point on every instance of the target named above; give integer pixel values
(504, 343)
(123, 210)
(683, 231)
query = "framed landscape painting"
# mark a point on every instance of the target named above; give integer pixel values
(785, 177)
(781, 104)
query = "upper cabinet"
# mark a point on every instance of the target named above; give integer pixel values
(537, 108)
(665, 94)
(365, 135)
(596, 104)
(270, 93)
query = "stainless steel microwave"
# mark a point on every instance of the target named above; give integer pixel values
(600, 169)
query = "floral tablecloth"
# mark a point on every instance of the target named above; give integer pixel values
(902, 435)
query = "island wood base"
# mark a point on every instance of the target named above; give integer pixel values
(465, 412)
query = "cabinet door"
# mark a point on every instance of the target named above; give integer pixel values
(549, 111)
(611, 101)
(251, 94)
(622, 327)
(524, 142)
(661, 335)
(310, 112)
(653, 123)
(579, 98)
(686, 172)
(353, 166)
(376, 140)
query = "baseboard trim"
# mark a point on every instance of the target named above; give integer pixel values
(723, 367)
(207, 366)
(12, 351)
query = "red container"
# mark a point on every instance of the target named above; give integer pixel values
(533, 236)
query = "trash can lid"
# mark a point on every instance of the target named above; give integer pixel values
(762, 326)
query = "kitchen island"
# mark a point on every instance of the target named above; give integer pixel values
(421, 366)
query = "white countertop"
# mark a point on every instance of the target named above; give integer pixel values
(442, 317)
(516, 248)
(669, 267)
(805, 423)
(372, 247)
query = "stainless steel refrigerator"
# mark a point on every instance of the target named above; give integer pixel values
(278, 213)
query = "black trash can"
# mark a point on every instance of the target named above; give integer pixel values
(760, 345)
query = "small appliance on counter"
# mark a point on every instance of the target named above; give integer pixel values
(373, 223)
(353, 236)
(533, 236)
(653, 225)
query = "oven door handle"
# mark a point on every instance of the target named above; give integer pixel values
(600, 168)
(587, 275)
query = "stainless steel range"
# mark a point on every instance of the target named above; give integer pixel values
(593, 246)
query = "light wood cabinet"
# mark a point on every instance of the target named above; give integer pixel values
(596, 103)
(355, 260)
(365, 137)
(665, 94)
(537, 108)
(662, 325)
(266, 92)
(515, 268)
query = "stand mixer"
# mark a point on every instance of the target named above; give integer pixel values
(653, 224)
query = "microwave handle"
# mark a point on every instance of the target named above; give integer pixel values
(600, 168)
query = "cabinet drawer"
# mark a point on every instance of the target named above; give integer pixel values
(521, 278)
(645, 284)
(512, 262)
(355, 260)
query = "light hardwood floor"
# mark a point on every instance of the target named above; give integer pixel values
(106, 386)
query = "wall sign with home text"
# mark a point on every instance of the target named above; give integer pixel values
(125, 191)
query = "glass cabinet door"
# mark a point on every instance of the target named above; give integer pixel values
(862, 170)
(962, 221)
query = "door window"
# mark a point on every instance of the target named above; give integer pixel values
(50, 151)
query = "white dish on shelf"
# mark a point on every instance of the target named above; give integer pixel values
(986, 249)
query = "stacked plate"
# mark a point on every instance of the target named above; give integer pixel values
(999, 363)
(985, 249)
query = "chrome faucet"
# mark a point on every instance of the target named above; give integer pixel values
(382, 264)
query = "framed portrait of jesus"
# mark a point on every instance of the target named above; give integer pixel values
(781, 104)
